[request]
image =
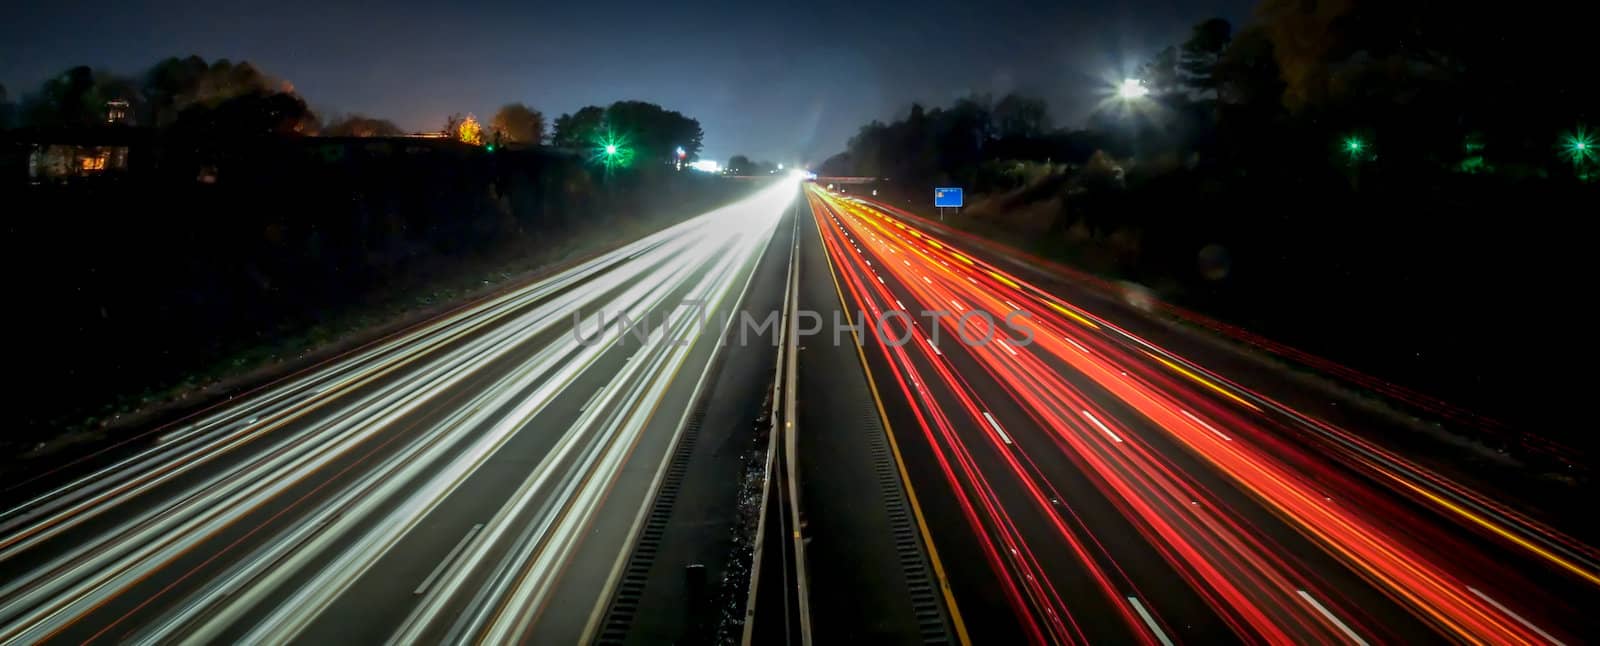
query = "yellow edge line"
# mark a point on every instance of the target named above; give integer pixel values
(900, 463)
(1486, 524)
(1075, 316)
(1203, 381)
(1005, 280)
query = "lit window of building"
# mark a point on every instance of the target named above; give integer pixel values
(117, 111)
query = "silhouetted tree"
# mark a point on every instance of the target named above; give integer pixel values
(68, 99)
(1021, 117)
(579, 130)
(174, 84)
(653, 132)
(1161, 75)
(1247, 74)
(356, 125)
(518, 123)
(739, 164)
(247, 115)
(838, 164)
(1201, 53)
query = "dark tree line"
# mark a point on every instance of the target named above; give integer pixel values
(1428, 84)
(648, 132)
(743, 165)
(1351, 158)
(191, 96)
(356, 125)
(187, 94)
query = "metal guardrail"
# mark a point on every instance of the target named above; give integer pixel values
(780, 503)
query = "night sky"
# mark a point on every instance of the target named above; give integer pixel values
(782, 81)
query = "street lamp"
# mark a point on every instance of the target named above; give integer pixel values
(611, 149)
(1131, 89)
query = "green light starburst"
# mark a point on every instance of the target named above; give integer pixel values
(612, 151)
(1354, 146)
(1580, 146)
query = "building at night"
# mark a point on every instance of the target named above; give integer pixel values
(117, 112)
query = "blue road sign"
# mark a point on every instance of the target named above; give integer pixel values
(947, 197)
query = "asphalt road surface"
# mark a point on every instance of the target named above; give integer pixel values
(480, 477)
(1083, 484)
(475, 478)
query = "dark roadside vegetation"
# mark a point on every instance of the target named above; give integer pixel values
(238, 243)
(1397, 186)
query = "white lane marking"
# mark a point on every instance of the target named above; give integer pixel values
(1006, 346)
(1203, 423)
(1096, 421)
(899, 304)
(1075, 344)
(439, 569)
(593, 397)
(869, 262)
(1515, 616)
(1329, 615)
(958, 306)
(935, 347)
(970, 280)
(925, 280)
(880, 279)
(907, 262)
(1003, 437)
(1149, 621)
(1013, 305)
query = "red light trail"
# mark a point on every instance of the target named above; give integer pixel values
(1137, 420)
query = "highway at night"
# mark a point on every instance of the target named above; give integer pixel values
(993, 463)
(474, 478)
(949, 323)
(1083, 484)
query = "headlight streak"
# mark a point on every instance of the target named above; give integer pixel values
(156, 465)
(313, 429)
(568, 358)
(1188, 526)
(216, 502)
